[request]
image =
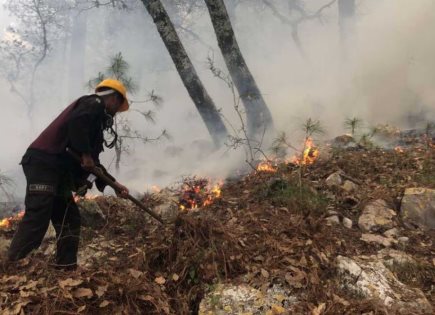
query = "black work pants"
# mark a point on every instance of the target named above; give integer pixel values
(48, 197)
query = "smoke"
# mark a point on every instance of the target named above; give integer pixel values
(387, 75)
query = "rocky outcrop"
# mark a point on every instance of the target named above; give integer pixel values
(367, 276)
(418, 208)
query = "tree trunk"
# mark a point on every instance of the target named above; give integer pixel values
(346, 11)
(258, 115)
(77, 55)
(187, 72)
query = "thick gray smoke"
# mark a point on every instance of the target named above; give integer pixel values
(387, 76)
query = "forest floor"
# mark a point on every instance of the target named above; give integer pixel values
(266, 229)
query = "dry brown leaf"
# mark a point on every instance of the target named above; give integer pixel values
(32, 284)
(70, 283)
(319, 309)
(101, 290)
(295, 278)
(175, 277)
(104, 304)
(16, 309)
(160, 280)
(135, 273)
(147, 298)
(25, 294)
(264, 273)
(340, 300)
(14, 279)
(81, 308)
(82, 292)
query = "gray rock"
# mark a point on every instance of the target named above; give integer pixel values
(391, 233)
(91, 214)
(344, 142)
(347, 223)
(370, 278)
(334, 180)
(418, 207)
(376, 217)
(228, 299)
(332, 220)
(392, 257)
(349, 186)
(403, 240)
(168, 209)
(378, 239)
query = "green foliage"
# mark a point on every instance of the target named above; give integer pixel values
(294, 196)
(118, 69)
(353, 124)
(312, 127)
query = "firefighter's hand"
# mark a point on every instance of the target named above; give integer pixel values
(122, 191)
(87, 162)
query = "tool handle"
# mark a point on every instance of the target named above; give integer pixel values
(97, 172)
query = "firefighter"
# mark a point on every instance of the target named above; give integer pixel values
(52, 175)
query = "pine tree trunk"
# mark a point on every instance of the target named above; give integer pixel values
(258, 115)
(187, 72)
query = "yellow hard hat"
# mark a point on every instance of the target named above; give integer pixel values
(117, 86)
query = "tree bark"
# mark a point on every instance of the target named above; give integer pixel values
(187, 72)
(259, 118)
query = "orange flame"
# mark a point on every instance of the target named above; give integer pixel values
(266, 166)
(6, 223)
(199, 195)
(309, 156)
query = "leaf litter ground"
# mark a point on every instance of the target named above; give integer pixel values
(266, 229)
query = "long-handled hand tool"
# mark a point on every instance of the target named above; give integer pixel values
(97, 172)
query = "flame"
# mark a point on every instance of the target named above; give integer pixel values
(266, 166)
(309, 156)
(199, 193)
(6, 223)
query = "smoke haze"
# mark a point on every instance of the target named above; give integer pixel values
(388, 74)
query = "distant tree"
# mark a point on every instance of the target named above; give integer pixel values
(118, 69)
(258, 115)
(296, 16)
(27, 45)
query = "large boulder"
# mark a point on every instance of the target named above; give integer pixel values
(418, 207)
(367, 276)
(376, 217)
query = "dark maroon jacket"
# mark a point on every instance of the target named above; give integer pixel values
(80, 127)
